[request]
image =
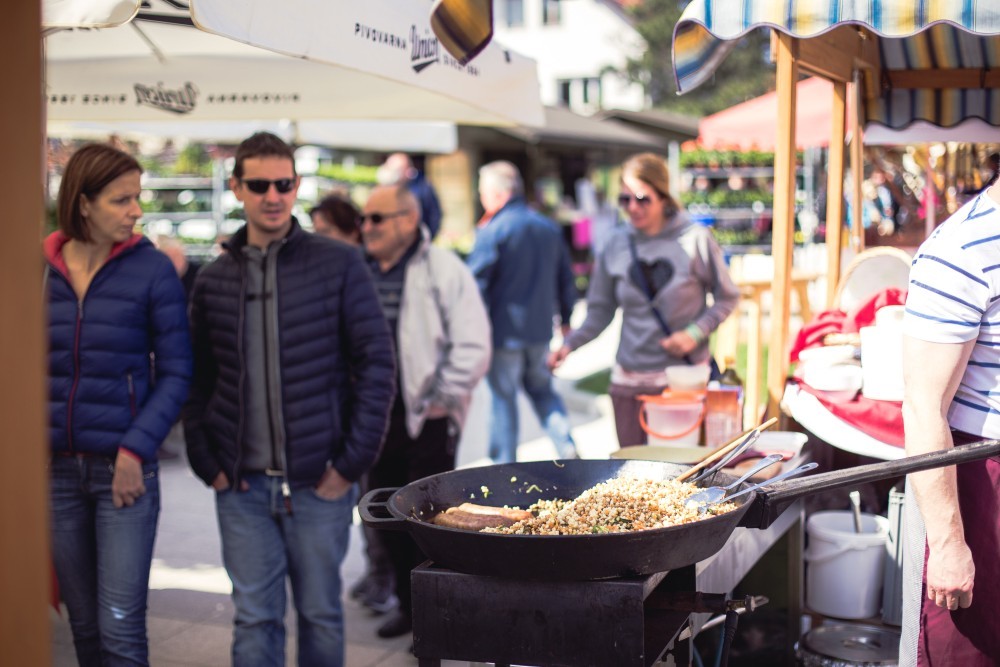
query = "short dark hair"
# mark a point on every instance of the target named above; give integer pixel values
(339, 212)
(88, 172)
(261, 144)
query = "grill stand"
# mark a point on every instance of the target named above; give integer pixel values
(624, 622)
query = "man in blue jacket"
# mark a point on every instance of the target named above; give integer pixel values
(294, 377)
(522, 266)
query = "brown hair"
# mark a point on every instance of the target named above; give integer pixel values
(88, 172)
(651, 169)
(339, 212)
(261, 144)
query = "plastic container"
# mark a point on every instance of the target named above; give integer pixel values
(844, 569)
(673, 418)
(684, 377)
(882, 361)
(789, 441)
(838, 383)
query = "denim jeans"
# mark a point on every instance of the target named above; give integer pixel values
(527, 367)
(262, 543)
(102, 556)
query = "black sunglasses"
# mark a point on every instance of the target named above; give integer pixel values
(260, 186)
(642, 200)
(379, 218)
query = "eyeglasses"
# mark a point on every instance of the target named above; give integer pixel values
(379, 218)
(642, 200)
(260, 186)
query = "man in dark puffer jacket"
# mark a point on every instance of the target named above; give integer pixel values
(294, 377)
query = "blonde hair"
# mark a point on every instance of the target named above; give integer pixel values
(651, 169)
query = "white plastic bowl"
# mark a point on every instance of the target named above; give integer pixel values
(839, 382)
(828, 355)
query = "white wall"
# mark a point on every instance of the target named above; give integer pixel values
(592, 36)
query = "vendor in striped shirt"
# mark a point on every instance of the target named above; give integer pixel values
(951, 352)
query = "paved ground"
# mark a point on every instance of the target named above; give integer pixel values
(190, 613)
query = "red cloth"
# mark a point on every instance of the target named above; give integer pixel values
(837, 321)
(882, 420)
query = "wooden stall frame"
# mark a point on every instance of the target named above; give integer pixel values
(24, 516)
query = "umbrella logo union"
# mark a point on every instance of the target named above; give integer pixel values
(423, 50)
(175, 100)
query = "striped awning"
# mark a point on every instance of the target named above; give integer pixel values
(915, 37)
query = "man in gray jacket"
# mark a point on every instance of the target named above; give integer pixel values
(442, 336)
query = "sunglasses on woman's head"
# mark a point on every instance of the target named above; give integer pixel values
(379, 218)
(625, 199)
(260, 186)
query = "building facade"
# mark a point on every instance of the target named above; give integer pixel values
(581, 47)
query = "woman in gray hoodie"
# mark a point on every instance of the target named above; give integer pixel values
(659, 269)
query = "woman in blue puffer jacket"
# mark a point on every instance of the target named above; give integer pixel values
(119, 369)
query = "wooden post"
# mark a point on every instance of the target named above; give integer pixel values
(835, 192)
(857, 170)
(24, 519)
(783, 228)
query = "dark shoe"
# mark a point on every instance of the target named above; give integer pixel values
(398, 624)
(380, 596)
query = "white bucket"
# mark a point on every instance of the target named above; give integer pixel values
(674, 418)
(844, 568)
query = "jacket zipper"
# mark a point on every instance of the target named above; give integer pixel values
(76, 374)
(131, 394)
(76, 342)
(277, 443)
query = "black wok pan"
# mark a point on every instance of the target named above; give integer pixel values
(603, 555)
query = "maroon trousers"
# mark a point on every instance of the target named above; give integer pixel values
(969, 637)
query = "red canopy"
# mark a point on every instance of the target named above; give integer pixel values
(751, 125)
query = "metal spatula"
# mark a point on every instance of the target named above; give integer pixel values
(714, 494)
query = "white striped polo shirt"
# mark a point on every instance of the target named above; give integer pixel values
(954, 297)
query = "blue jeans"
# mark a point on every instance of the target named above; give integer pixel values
(102, 556)
(527, 367)
(261, 544)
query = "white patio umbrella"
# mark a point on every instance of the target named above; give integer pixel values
(321, 60)
(383, 136)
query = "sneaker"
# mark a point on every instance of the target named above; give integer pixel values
(360, 588)
(381, 604)
(397, 625)
(380, 595)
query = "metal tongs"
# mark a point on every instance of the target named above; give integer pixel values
(713, 494)
(744, 445)
(720, 458)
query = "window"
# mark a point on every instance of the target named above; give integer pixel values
(551, 12)
(592, 91)
(513, 13)
(565, 86)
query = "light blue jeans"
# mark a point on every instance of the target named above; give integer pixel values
(509, 371)
(102, 556)
(262, 544)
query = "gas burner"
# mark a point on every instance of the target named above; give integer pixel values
(623, 622)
